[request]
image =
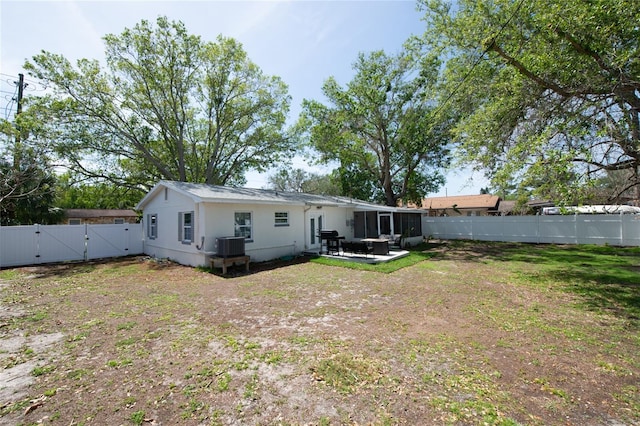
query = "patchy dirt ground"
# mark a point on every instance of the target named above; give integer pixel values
(463, 338)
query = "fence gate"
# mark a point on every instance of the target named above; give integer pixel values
(35, 244)
(113, 241)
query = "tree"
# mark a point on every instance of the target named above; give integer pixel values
(289, 180)
(27, 182)
(27, 192)
(298, 180)
(382, 129)
(94, 195)
(167, 106)
(547, 92)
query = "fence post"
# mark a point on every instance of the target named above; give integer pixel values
(37, 245)
(621, 227)
(85, 255)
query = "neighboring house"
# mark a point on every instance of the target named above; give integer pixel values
(182, 221)
(99, 216)
(506, 208)
(462, 205)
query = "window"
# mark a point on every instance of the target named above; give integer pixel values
(118, 221)
(282, 219)
(185, 227)
(242, 226)
(75, 222)
(152, 226)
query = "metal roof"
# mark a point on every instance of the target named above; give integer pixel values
(223, 194)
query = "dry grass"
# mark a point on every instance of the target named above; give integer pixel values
(476, 334)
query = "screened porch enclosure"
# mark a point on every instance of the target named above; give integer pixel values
(372, 224)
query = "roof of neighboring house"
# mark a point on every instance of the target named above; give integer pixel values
(540, 203)
(222, 194)
(93, 213)
(506, 206)
(486, 201)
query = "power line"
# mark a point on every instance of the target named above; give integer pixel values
(9, 106)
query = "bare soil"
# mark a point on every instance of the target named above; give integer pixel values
(460, 338)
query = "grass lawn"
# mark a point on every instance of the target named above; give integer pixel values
(459, 332)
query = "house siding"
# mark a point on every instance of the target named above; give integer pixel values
(267, 240)
(214, 210)
(166, 244)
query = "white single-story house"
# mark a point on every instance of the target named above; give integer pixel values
(183, 220)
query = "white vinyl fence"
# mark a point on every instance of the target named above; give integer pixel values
(35, 244)
(617, 230)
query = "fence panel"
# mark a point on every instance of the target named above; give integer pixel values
(30, 245)
(113, 240)
(631, 230)
(557, 229)
(604, 230)
(519, 229)
(575, 229)
(59, 243)
(17, 245)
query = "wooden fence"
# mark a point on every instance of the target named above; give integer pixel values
(36, 244)
(617, 230)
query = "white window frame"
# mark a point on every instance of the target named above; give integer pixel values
(244, 229)
(185, 228)
(152, 226)
(281, 218)
(118, 221)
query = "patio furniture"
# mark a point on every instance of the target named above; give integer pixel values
(378, 245)
(356, 247)
(393, 239)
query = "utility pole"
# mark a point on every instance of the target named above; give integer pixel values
(21, 87)
(17, 150)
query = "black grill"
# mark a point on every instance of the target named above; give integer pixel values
(332, 239)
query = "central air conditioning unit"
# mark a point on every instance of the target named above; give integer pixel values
(229, 246)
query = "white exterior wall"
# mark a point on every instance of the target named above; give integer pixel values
(217, 219)
(336, 218)
(268, 241)
(213, 220)
(166, 245)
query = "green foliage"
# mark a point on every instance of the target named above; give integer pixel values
(297, 180)
(137, 417)
(546, 93)
(98, 195)
(168, 106)
(27, 184)
(382, 129)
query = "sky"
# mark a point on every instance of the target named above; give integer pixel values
(303, 42)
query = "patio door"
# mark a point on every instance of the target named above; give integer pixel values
(385, 225)
(314, 225)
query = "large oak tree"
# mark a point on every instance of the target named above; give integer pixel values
(166, 105)
(547, 91)
(383, 129)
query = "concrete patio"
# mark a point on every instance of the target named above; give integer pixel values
(361, 258)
